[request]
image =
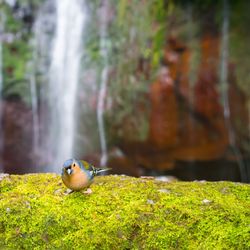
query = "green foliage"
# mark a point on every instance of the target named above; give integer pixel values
(134, 43)
(15, 56)
(239, 47)
(16, 52)
(123, 212)
(239, 43)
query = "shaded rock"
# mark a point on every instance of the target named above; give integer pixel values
(17, 155)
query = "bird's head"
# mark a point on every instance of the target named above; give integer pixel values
(70, 166)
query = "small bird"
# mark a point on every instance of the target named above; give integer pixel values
(79, 174)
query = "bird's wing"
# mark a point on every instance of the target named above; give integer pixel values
(86, 165)
(94, 171)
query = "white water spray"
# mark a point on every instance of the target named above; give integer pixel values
(224, 61)
(225, 87)
(104, 81)
(34, 106)
(63, 78)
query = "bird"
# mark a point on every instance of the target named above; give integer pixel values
(79, 174)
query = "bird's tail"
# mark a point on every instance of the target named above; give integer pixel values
(100, 170)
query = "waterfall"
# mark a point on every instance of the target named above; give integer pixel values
(224, 89)
(103, 82)
(34, 106)
(224, 61)
(65, 60)
(195, 59)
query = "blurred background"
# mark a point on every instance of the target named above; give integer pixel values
(149, 87)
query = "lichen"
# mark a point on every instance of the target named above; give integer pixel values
(123, 213)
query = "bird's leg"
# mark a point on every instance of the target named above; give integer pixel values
(69, 191)
(88, 191)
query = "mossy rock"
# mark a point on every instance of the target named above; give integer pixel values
(123, 213)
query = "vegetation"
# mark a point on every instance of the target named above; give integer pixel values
(123, 212)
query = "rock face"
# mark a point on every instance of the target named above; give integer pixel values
(123, 212)
(186, 121)
(17, 155)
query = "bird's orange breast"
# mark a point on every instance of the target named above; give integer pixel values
(76, 181)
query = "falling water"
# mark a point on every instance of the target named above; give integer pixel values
(63, 78)
(224, 87)
(34, 105)
(194, 46)
(224, 61)
(103, 83)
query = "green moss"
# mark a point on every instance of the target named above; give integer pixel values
(123, 213)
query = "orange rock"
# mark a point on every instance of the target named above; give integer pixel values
(164, 112)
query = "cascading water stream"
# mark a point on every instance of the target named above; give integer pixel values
(103, 83)
(224, 61)
(63, 79)
(224, 87)
(34, 106)
(192, 77)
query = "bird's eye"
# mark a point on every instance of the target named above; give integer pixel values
(74, 165)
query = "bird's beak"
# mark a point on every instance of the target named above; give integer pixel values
(68, 170)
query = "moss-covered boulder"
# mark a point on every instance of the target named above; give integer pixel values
(123, 213)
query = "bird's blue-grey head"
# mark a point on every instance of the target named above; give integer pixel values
(80, 164)
(67, 166)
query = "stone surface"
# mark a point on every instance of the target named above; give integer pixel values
(123, 212)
